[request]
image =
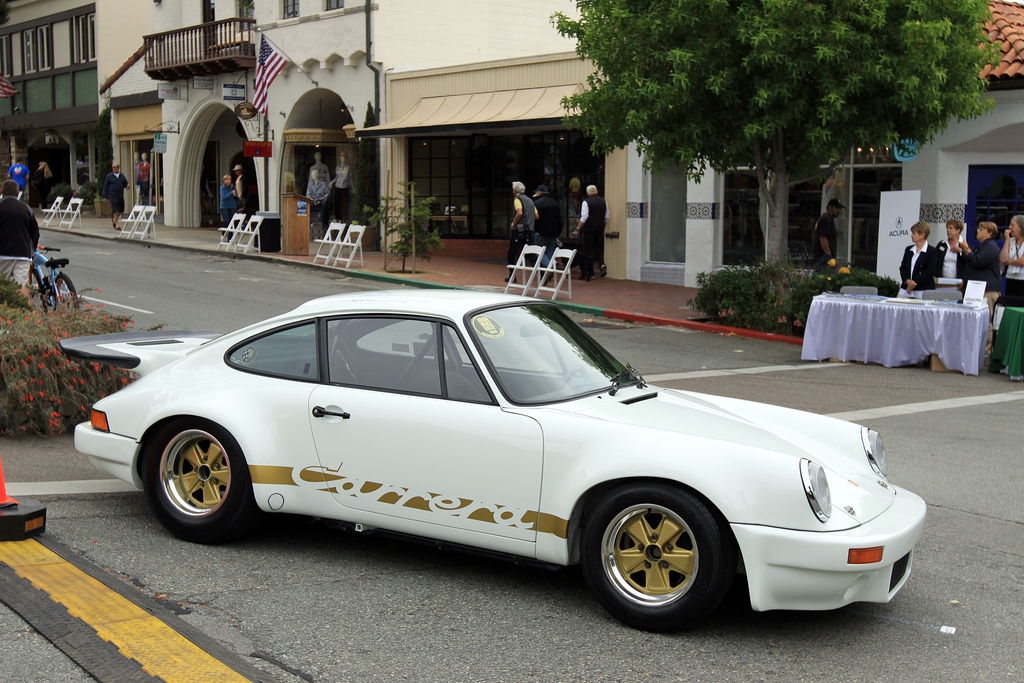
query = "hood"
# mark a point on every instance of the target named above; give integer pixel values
(832, 443)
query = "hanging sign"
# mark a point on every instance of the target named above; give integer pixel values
(257, 148)
(51, 137)
(246, 111)
(160, 143)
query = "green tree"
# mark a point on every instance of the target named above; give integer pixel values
(104, 142)
(405, 222)
(367, 172)
(785, 87)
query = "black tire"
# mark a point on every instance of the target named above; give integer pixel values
(656, 558)
(198, 483)
(35, 289)
(65, 288)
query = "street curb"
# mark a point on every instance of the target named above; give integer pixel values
(596, 311)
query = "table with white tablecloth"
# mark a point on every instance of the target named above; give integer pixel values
(876, 330)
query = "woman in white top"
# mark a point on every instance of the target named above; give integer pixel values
(950, 258)
(1012, 256)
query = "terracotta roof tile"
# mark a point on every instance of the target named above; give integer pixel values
(1006, 28)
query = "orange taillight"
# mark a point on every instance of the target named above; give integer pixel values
(98, 420)
(865, 555)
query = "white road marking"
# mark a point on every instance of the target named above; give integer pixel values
(928, 406)
(699, 374)
(111, 303)
(66, 488)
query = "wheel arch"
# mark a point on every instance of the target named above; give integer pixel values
(588, 500)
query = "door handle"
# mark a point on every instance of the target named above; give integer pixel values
(320, 411)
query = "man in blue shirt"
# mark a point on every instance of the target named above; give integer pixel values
(19, 173)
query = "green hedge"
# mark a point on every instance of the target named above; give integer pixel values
(41, 390)
(774, 296)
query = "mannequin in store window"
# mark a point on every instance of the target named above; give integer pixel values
(142, 178)
(320, 168)
(317, 191)
(342, 183)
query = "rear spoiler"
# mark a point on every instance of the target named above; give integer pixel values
(139, 351)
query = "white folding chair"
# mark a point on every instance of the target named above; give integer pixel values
(330, 242)
(52, 213)
(144, 227)
(72, 214)
(229, 235)
(353, 244)
(128, 224)
(248, 237)
(522, 275)
(557, 273)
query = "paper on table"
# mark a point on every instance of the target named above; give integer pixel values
(974, 293)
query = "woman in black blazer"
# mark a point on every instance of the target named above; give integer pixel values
(949, 258)
(917, 271)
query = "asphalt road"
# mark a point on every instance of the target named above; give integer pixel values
(304, 601)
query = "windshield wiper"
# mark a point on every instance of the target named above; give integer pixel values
(627, 376)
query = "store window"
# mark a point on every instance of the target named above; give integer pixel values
(858, 183)
(335, 165)
(471, 177)
(995, 193)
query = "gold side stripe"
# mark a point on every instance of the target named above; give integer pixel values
(162, 651)
(271, 474)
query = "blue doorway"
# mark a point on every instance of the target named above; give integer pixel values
(994, 193)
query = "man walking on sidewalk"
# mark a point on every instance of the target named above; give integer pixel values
(549, 223)
(114, 186)
(593, 217)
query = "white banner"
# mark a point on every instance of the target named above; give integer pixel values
(897, 212)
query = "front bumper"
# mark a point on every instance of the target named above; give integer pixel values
(802, 570)
(110, 453)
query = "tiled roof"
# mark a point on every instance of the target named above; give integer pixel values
(1006, 28)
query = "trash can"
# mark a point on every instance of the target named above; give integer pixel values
(270, 231)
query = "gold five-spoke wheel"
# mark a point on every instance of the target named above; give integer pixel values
(649, 553)
(195, 472)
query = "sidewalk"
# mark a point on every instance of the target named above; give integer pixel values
(621, 299)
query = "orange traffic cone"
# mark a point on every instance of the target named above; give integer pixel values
(5, 500)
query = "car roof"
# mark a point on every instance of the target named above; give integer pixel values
(452, 303)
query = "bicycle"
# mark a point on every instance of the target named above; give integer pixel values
(46, 280)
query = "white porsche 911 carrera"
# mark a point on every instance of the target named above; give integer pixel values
(494, 422)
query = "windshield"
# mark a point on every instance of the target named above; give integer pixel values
(539, 355)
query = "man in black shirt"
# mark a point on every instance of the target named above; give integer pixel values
(824, 237)
(549, 223)
(19, 235)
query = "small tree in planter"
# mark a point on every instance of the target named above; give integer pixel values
(405, 223)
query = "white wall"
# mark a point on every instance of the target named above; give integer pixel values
(418, 34)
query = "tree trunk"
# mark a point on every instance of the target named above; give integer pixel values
(776, 244)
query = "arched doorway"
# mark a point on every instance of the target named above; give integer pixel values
(211, 141)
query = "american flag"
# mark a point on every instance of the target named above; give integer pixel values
(6, 89)
(268, 66)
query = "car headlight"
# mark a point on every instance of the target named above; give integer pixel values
(875, 450)
(812, 475)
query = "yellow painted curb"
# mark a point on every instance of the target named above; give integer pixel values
(139, 635)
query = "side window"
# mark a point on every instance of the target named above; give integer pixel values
(461, 377)
(384, 353)
(402, 355)
(288, 353)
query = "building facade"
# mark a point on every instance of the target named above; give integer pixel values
(53, 52)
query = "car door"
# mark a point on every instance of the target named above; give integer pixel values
(407, 429)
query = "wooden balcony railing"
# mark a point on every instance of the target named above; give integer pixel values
(203, 50)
